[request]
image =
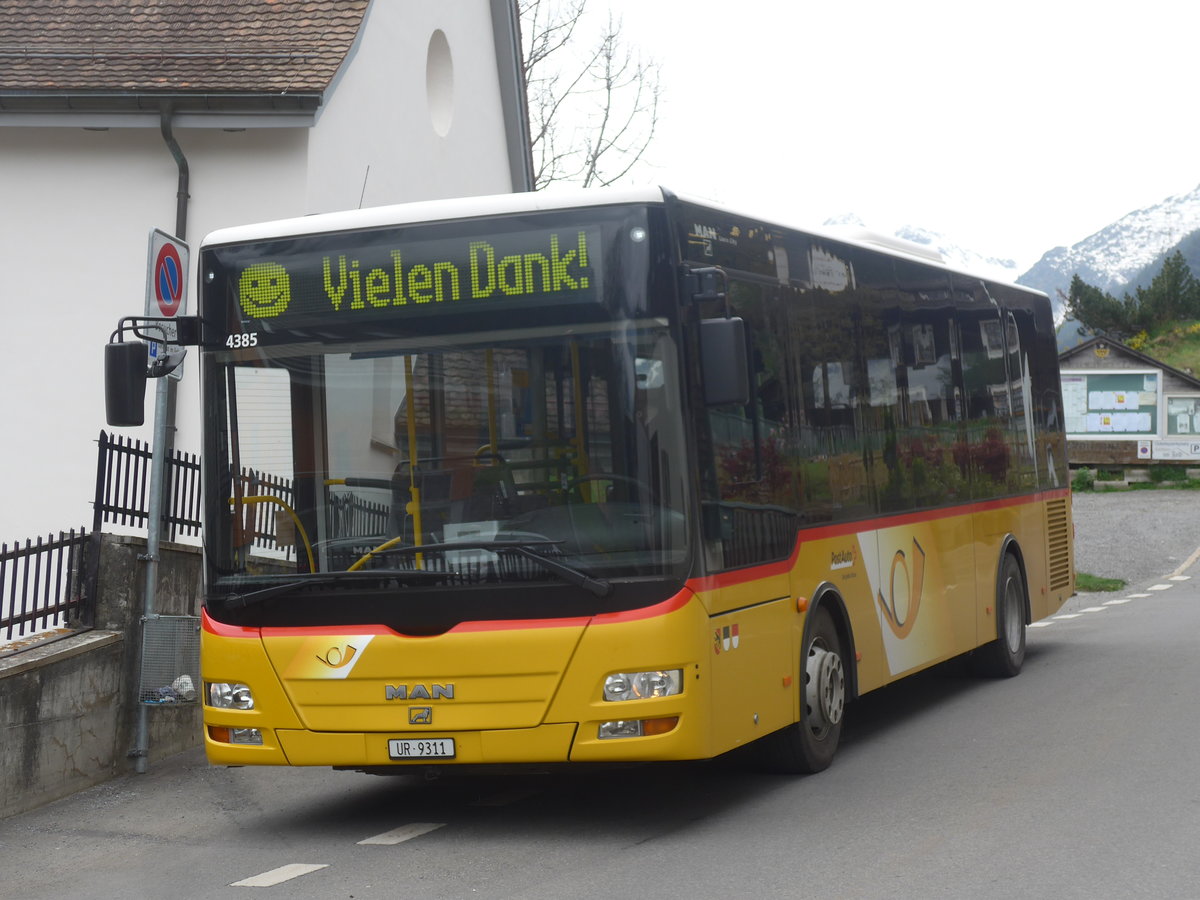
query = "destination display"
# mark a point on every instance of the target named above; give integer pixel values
(322, 282)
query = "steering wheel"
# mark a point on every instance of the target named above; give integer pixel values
(487, 451)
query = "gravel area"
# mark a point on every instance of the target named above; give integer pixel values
(1137, 536)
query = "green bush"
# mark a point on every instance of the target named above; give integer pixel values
(1160, 474)
(1084, 480)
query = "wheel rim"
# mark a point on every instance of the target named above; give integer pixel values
(825, 688)
(1013, 623)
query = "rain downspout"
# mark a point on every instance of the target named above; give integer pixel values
(164, 441)
(181, 193)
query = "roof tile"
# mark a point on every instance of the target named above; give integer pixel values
(201, 46)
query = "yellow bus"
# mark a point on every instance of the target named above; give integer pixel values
(607, 476)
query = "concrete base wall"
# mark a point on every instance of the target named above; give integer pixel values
(69, 707)
(1102, 453)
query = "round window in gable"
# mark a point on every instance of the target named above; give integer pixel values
(439, 83)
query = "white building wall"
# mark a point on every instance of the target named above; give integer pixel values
(400, 128)
(76, 207)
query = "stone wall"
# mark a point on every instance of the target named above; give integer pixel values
(69, 707)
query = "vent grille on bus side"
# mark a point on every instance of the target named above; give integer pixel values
(1058, 539)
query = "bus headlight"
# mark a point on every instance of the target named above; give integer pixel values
(627, 728)
(230, 695)
(235, 735)
(642, 685)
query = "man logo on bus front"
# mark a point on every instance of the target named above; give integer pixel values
(420, 715)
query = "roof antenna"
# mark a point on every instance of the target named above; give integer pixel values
(366, 174)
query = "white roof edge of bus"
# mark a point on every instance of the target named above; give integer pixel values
(889, 242)
(433, 210)
(538, 201)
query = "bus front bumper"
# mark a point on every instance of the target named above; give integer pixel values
(552, 743)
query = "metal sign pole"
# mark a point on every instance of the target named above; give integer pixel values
(166, 295)
(153, 539)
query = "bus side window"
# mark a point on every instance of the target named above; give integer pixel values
(983, 451)
(918, 415)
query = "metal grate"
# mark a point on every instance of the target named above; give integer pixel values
(1058, 545)
(170, 660)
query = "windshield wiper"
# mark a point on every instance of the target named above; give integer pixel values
(598, 587)
(235, 600)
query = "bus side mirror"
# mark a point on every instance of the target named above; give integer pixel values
(125, 383)
(723, 362)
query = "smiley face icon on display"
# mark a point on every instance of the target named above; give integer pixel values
(265, 290)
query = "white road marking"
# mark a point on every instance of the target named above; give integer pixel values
(403, 833)
(1176, 577)
(1188, 562)
(280, 875)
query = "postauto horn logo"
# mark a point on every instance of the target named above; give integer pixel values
(265, 290)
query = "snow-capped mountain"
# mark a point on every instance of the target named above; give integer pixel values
(1116, 253)
(955, 256)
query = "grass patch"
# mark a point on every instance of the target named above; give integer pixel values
(1165, 474)
(1095, 584)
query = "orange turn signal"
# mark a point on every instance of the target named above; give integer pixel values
(659, 726)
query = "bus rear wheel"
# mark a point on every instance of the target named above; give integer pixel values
(1004, 656)
(809, 745)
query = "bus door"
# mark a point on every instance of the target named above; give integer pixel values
(749, 525)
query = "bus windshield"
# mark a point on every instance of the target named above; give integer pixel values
(531, 455)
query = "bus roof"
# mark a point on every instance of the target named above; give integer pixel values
(539, 201)
(433, 211)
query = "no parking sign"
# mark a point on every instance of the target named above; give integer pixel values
(166, 289)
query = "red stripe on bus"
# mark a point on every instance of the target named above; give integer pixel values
(823, 532)
(669, 605)
(221, 629)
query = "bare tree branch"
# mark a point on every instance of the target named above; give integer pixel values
(593, 107)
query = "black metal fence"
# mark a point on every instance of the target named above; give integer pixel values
(46, 584)
(123, 487)
(50, 583)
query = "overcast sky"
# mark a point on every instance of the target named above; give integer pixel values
(1011, 127)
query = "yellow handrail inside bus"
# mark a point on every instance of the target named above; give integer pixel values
(386, 545)
(581, 458)
(413, 507)
(312, 565)
(491, 399)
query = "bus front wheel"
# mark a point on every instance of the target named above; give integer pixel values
(809, 745)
